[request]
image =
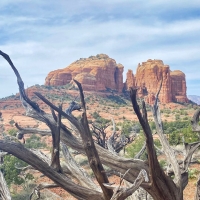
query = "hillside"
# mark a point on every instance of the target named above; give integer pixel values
(107, 105)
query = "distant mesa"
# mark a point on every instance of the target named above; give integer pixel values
(99, 72)
(194, 98)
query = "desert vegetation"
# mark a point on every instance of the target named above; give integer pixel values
(141, 174)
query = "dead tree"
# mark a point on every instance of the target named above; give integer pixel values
(4, 191)
(196, 128)
(159, 184)
(115, 142)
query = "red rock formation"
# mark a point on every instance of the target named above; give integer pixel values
(148, 78)
(95, 73)
(99, 72)
(130, 79)
(150, 98)
(150, 73)
(178, 86)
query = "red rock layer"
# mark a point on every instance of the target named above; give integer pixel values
(95, 73)
(179, 88)
(148, 78)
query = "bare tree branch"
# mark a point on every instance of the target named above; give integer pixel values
(55, 155)
(121, 193)
(40, 187)
(197, 192)
(111, 139)
(22, 131)
(75, 170)
(24, 154)
(4, 191)
(138, 155)
(90, 149)
(156, 172)
(165, 144)
(195, 120)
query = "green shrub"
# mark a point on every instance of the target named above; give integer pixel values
(135, 147)
(129, 126)
(192, 173)
(12, 132)
(11, 122)
(11, 173)
(162, 163)
(95, 115)
(34, 142)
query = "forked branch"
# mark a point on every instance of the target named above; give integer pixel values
(121, 193)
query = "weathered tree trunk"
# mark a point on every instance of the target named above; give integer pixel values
(162, 186)
(4, 191)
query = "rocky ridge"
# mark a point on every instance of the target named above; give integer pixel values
(97, 73)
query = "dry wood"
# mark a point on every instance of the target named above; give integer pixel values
(32, 159)
(55, 154)
(90, 149)
(76, 172)
(163, 186)
(160, 185)
(22, 131)
(121, 193)
(4, 191)
(197, 192)
(40, 187)
(195, 120)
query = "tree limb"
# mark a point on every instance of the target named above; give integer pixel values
(75, 170)
(165, 144)
(24, 154)
(90, 149)
(22, 131)
(111, 139)
(121, 193)
(4, 191)
(40, 187)
(195, 120)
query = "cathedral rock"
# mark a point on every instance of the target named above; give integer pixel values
(95, 73)
(148, 78)
(99, 72)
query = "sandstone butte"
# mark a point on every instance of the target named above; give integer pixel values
(97, 73)
(148, 78)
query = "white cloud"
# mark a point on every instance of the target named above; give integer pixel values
(42, 36)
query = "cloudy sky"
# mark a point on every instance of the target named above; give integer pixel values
(41, 36)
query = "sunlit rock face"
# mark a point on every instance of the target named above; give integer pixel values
(95, 73)
(148, 78)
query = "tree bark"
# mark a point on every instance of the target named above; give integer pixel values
(24, 154)
(4, 191)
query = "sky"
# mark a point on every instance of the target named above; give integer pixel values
(41, 36)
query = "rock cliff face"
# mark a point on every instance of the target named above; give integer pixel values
(99, 72)
(148, 77)
(179, 86)
(95, 73)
